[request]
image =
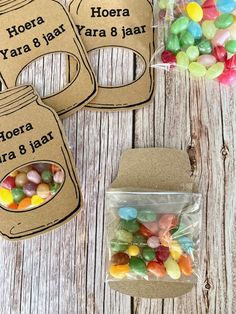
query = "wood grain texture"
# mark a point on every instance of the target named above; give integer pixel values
(64, 271)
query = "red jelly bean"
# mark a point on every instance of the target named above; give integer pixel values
(168, 57)
(227, 77)
(145, 231)
(231, 63)
(156, 268)
(220, 53)
(9, 183)
(162, 253)
(210, 11)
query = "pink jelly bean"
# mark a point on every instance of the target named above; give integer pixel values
(227, 77)
(220, 53)
(153, 242)
(207, 60)
(231, 63)
(221, 37)
(210, 11)
(34, 176)
(9, 183)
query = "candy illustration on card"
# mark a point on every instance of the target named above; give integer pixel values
(28, 32)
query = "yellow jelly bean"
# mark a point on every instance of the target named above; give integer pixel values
(175, 250)
(37, 200)
(197, 69)
(133, 250)
(119, 271)
(6, 197)
(194, 11)
(215, 70)
(172, 268)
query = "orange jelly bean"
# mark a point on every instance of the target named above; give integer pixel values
(156, 268)
(185, 265)
(25, 203)
(13, 206)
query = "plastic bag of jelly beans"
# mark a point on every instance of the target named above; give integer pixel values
(200, 39)
(153, 236)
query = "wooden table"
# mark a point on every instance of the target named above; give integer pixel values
(64, 271)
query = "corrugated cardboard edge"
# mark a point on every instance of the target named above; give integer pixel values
(155, 169)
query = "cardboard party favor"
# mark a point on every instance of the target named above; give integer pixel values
(124, 24)
(30, 29)
(153, 169)
(32, 143)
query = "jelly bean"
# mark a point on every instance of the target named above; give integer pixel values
(224, 20)
(162, 253)
(118, 246)
(148, 254)
(146, 216)
(165, 237)
(54, 187)
(34, 176)
(231, 63)
(47, 176)
(145, 231)
(54, 168)
(13, 206)
(195, 30)
(152, 226)
(43, 190)
(168, 57)
(37, 200)
(220, 53)
(179, 25)
(226, 6)
(120, 259)
(186, 244)
(205, 47)
(173, 44)
(18, 194)
(40, 167)
(186, 39)
(156, 268)
(227, 77)
(172, 268)
(25, 204)
(194, 11)
(124, 236)
(119, 271)
(208, 28)
(207, 60)
(138, 266)
(192, 53)
(133, 250)
(210, 11)
(128, 213)
(59, 177)
(130, 225)
(30, 189)
(168, 221)
(215, 71)
(139, 240)
(21, 179)
(221, 37)
(8, 183)
(197, 69)
(185, 265)
(231, 46)
(14, 174)
(175, 250)
(6, 197)
(153, 242)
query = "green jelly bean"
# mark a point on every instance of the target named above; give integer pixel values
(186, 39)
(231, 46)
(138, 266)
(197, 69)
(124, 236)
(146, 216)
(173, 44)
(192, 53)
(224, 20)
(18, 194)
(139, 240)
(215, 70)
(47, 176)
(148, 254)
(205, 47)
(118, 246)
(208, 28)
(54, 187)
(172, 268)
(130, 225)
(179, 25)
(182, 60)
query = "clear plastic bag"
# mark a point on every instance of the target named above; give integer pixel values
(153, 236)
(200, 37)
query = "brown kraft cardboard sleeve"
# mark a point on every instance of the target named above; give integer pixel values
(33, 28)
(124, 24)
(154, 169)
(30, 133)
